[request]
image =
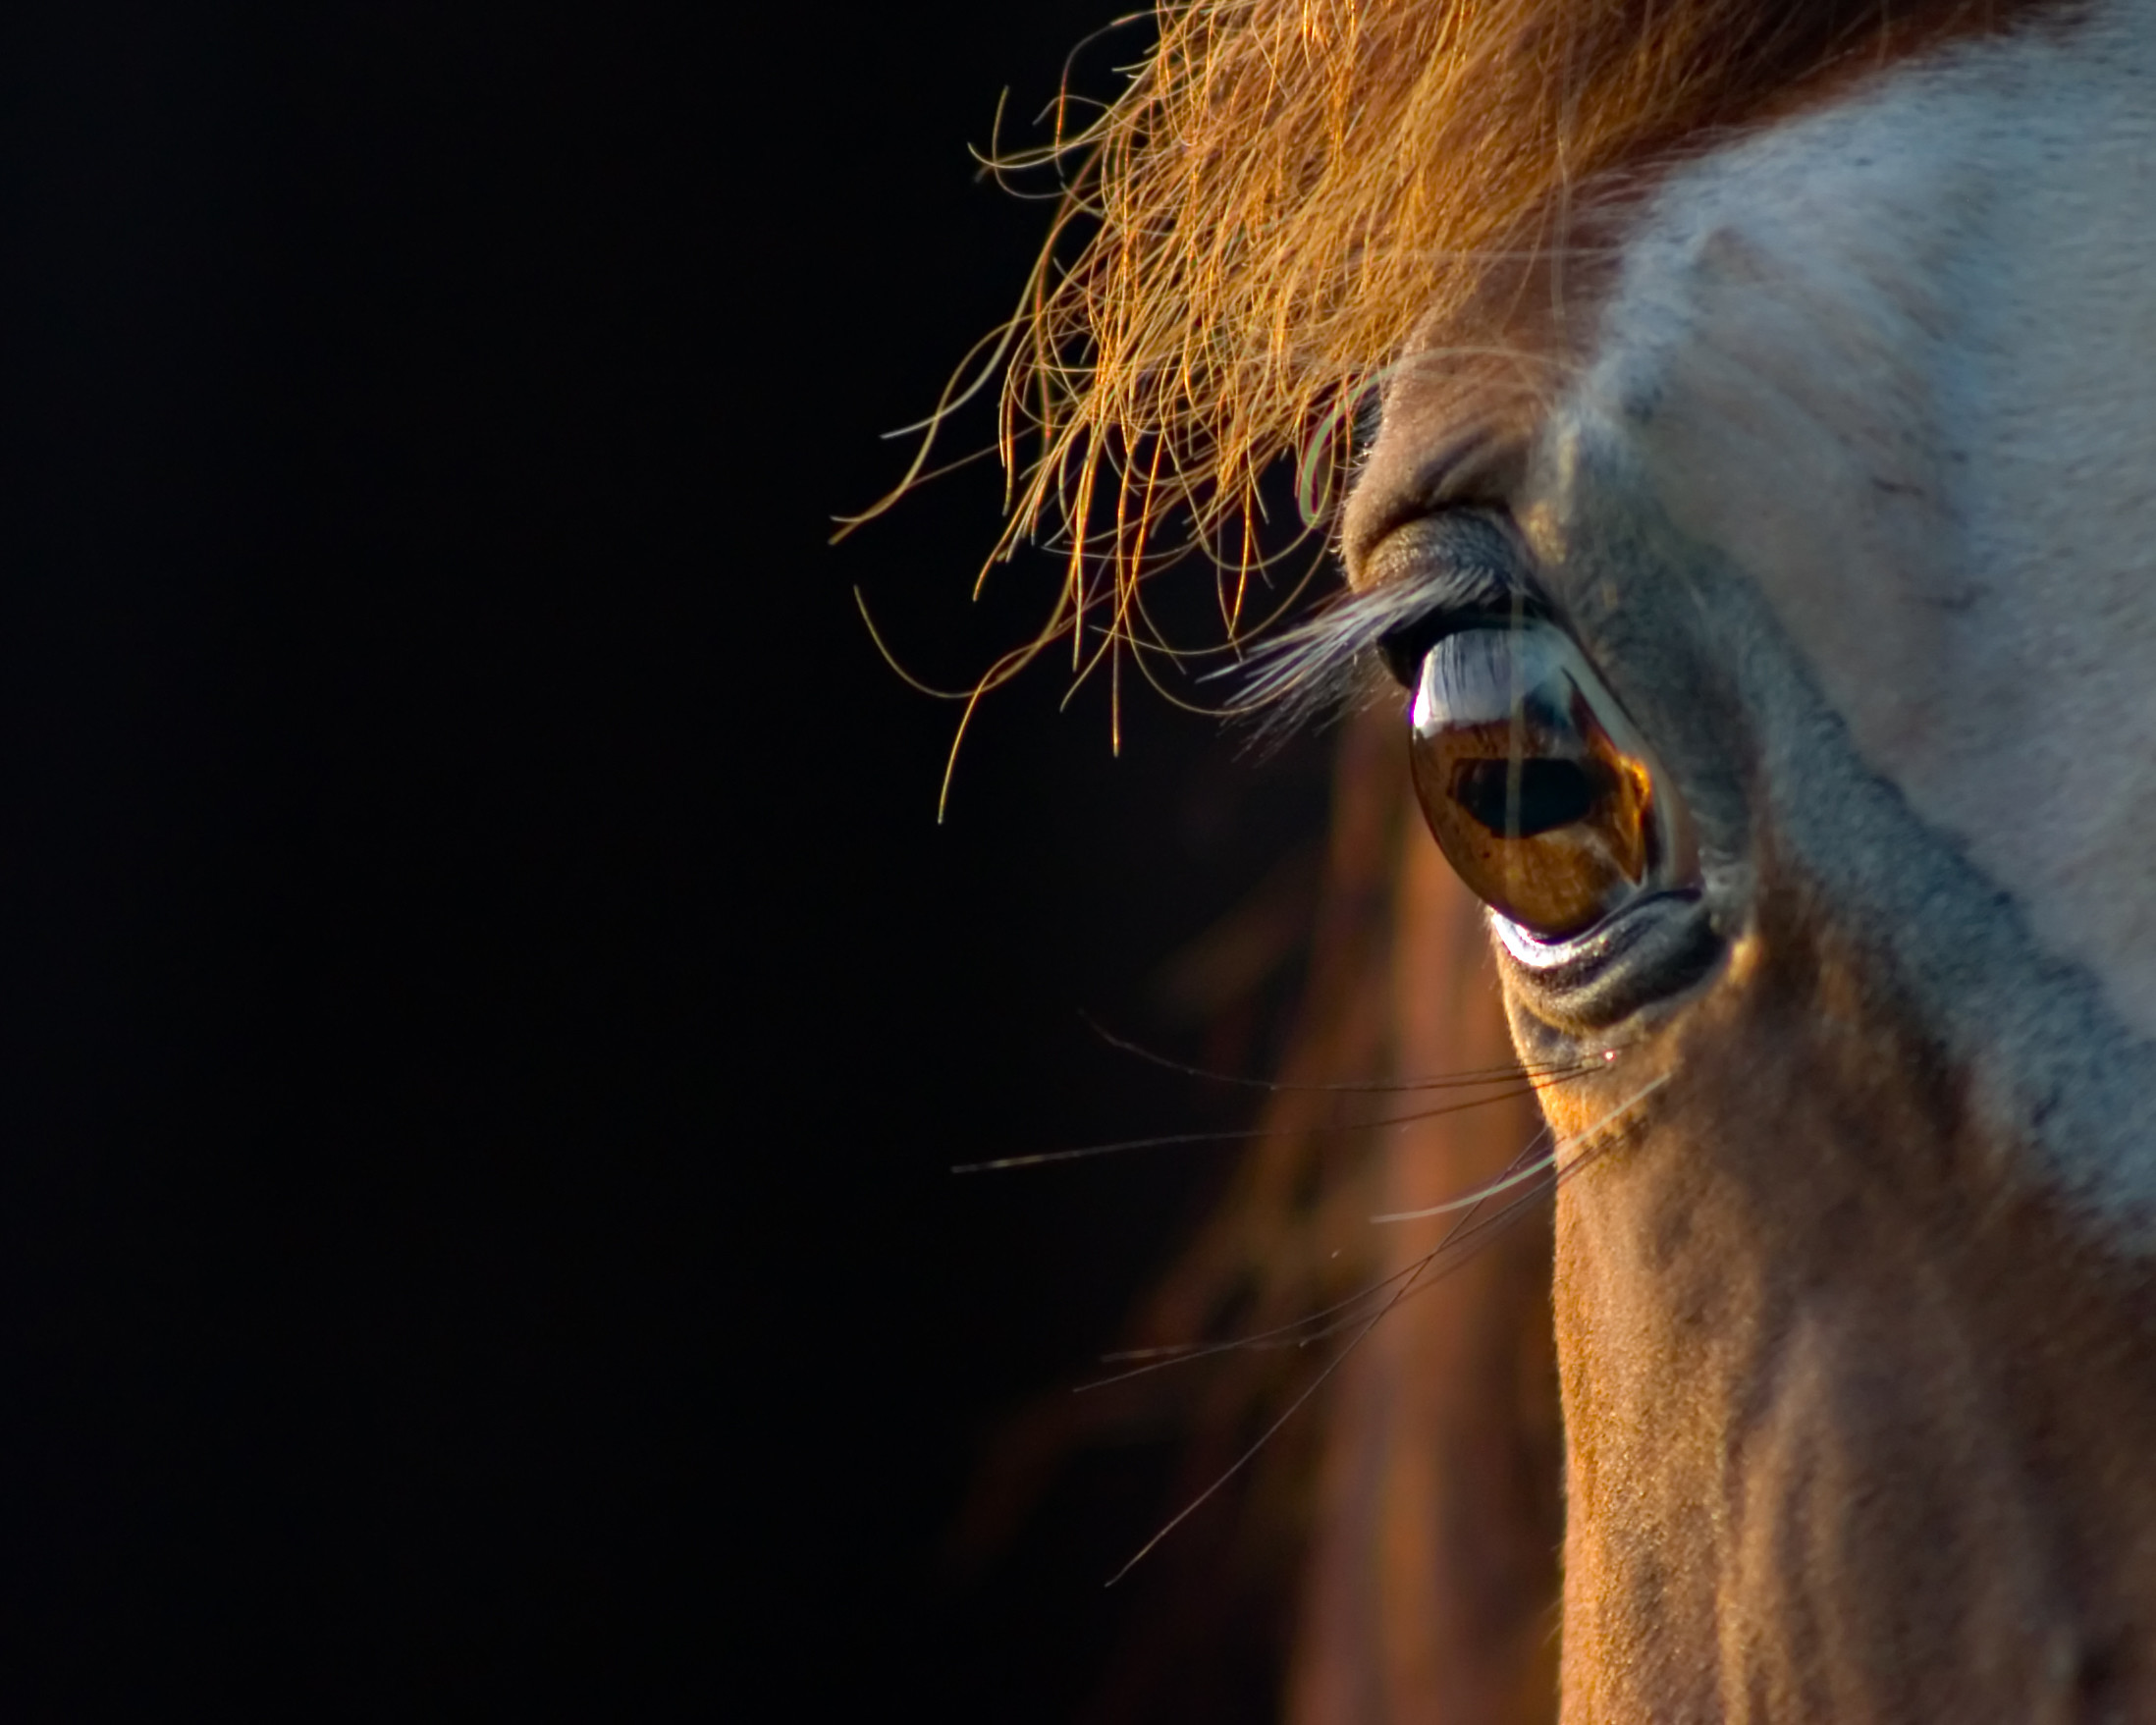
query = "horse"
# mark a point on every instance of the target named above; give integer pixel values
(1732, 422)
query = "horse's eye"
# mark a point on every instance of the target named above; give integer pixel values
(1535, 784)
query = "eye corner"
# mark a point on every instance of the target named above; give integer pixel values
(1403, 650)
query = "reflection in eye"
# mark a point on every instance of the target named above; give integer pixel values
(1532, 781)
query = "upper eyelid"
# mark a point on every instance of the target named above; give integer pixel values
(1481, 573)
(1443, 564)
(1476, 470)
(1475, 553)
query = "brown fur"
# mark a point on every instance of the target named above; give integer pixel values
(1856, 1423)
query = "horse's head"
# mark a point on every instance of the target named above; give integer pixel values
(1779, 667)
(1758, 522)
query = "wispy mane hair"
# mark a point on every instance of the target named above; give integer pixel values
(1288, 189)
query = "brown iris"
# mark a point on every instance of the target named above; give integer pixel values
(1531, 781)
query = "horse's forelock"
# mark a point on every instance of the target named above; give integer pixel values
(1289, 189)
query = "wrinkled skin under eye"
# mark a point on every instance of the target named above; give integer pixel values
(1532, 781)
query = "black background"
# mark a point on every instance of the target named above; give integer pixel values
(488, 1006)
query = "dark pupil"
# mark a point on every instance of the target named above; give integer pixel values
(1551, 793)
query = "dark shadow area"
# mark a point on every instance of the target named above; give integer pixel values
(489, 1008)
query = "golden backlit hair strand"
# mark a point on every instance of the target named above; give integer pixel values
(1283, 192)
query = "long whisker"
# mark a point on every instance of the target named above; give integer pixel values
(1460, 1080)
(1237, 1135)
(1468, 1235)
(1250, 1454)
(1596, 1145)
(1327, 1319)
(1463, 1241)
(1518, 1172)
(1151, 1360)
(1468, 1201)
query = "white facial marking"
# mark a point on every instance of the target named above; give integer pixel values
(1896, 359)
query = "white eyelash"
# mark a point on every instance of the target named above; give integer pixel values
(1326, 663)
